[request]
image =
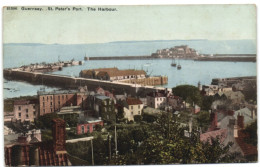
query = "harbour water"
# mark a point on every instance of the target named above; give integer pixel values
(191, 73)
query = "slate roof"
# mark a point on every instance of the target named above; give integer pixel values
(247, 115)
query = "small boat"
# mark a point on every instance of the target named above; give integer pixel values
(173, 64)
(179, 66)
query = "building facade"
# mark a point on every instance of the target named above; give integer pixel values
(134, 107)
(26, 110)
(50, 102)
(156, 100)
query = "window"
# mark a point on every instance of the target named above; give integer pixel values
(59, 97)
(132, 113)
(43, 98)
(19, 108)
(93, 127)
(27, 116)
(161, 99)
(26, 111)
(88, 127)
(47, 98)
(34, 113)
(51, 97)
(33, 106)
(62, 97)
(139, 112)
(66, 96)
(44, 111)
(138, 106)
(59, 102)
(82, 129)
(51, 103)
(19, 114)
(51, 109)
(43, 104)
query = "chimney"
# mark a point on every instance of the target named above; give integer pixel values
(240, 121)
(58, 134)
(214, 120)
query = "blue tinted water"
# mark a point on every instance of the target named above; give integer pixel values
(191, 73)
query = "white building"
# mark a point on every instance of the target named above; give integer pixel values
(134, 107)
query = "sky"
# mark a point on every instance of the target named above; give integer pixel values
(130, 23)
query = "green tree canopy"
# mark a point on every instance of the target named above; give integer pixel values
(189, 93)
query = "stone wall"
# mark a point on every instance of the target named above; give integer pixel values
(73, 83)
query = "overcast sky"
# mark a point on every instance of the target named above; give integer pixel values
(213, 22)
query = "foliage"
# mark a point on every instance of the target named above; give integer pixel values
(70, 119)
(9, 103)
(47, 135)
(189, 93)
(149, 118)
(203, 120)
(44, 121)
(138, 118)
(207, 102)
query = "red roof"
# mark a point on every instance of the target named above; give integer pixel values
(221, 133)
(247, 149)
(133, 101)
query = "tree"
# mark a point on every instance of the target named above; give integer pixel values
(207, 102)
(203, 119)
(189, 93)
(44, 121)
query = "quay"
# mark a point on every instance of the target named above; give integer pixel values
(68, 82)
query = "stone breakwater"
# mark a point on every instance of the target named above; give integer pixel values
(73, 83)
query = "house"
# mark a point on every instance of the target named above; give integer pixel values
(112, 74)
(175, 102)
(36, 153)
(88, 125)
(156, 99)
(235, 97)
(101, 91)
(133, 107)
(103, 107)
(26, 110)
(249, 116)
(50, 102)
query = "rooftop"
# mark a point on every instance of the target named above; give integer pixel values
(26, 102)
(133, 101)
(56, 92)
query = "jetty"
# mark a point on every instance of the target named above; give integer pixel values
(68, 82)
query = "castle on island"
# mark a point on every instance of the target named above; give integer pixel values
(182, 51)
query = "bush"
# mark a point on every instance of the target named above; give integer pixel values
(138, 118)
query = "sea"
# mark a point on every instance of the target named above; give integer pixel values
(192, 72)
